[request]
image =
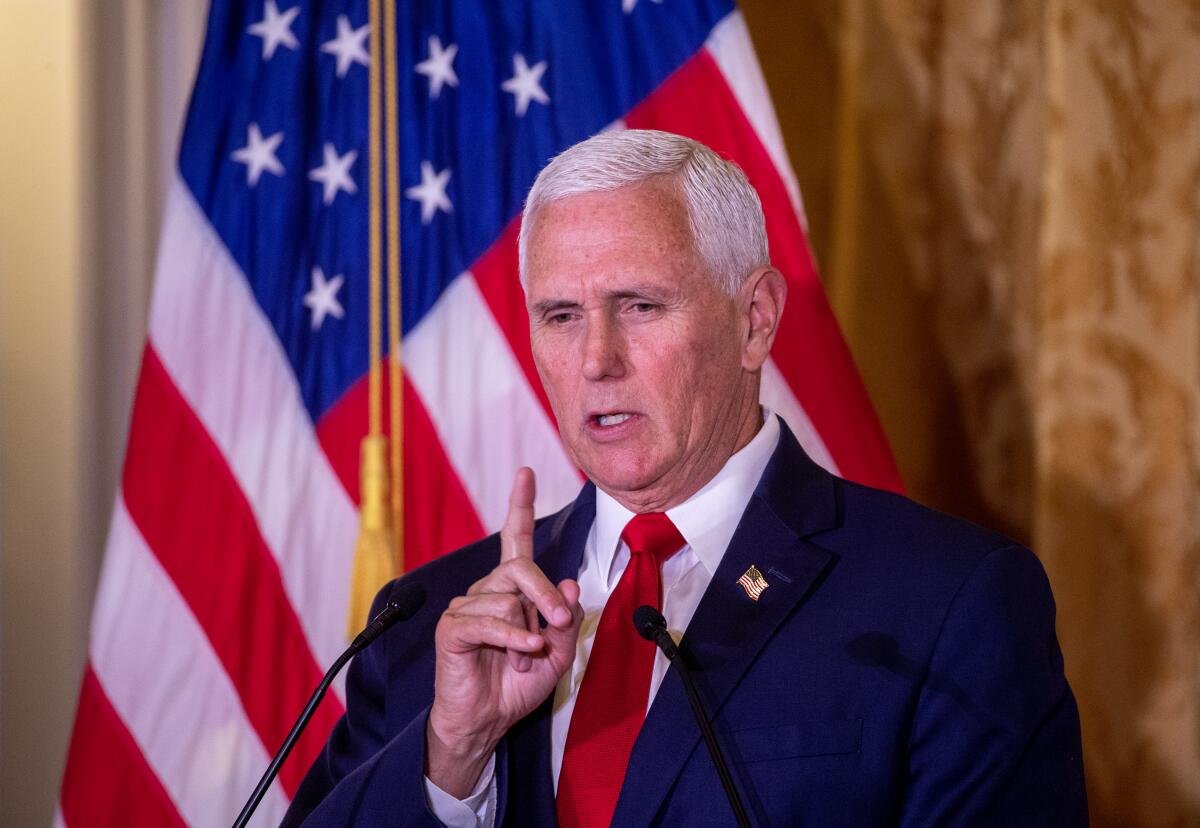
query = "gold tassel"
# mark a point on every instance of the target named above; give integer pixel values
(374, 555)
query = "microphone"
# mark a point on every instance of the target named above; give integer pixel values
(653, 627)
(410, 598)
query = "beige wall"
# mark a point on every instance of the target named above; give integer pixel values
(90, 102)
(47, 569)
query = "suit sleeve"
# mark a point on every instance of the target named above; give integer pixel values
(364, 776)
(995, 735)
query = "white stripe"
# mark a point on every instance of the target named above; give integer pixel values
(777, 395)
(58, 822)
(729, 44)
(166, 683)
(489, 421)
(225, 358)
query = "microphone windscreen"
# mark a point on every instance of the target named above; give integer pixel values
(648, 621)
(408, 599)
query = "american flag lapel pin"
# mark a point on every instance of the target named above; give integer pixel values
(753, 582)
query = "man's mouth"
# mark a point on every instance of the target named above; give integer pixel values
(612, 419)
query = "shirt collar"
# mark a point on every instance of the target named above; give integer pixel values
(707, 519)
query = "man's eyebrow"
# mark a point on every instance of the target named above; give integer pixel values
(550, 305)
(655, 293)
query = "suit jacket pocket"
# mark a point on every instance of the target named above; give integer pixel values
(758, 744)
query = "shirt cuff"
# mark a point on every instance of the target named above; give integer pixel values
(478, 810)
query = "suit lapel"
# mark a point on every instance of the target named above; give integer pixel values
(559, 543)
(795, 498)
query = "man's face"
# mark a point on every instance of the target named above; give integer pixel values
(638, 349)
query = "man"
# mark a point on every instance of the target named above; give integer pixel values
(865, 661)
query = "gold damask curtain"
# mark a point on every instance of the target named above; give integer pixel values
(1004, 196)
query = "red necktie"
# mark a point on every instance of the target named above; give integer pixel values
(616, 685)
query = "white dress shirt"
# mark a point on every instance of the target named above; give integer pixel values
(707, 521)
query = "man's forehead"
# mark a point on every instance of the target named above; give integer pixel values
(631, 240)
(620, 264)
(612, 225)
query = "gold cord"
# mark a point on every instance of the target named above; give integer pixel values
(374, 394)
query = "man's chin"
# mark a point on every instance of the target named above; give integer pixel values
(626, 485)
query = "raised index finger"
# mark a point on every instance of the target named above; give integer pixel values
(516, 538)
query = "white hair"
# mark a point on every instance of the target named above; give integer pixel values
(724, 212)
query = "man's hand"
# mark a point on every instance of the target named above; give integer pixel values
(495, 664)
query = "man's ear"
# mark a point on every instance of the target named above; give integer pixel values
(762, 298)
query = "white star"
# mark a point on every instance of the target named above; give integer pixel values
(322, 298)
(259, 154)
(275, 29)
(334, 174)
(526, 84)
(349, 46)
(431, 192)
(628, 6)
(439, 66)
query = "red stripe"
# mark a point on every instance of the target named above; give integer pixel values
(438, 515)
(696, 101)
(499, 281)
(188, 506)
(108, 780)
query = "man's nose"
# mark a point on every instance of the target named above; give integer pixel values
(603, 349)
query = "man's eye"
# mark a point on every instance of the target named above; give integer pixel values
(644, 307)
(559, 318)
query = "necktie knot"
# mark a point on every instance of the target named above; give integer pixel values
(653, 532)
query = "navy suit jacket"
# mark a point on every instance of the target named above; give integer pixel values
(901, 669)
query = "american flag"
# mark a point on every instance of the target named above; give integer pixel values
(226, 577)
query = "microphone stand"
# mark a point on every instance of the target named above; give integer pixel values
(653, 627)
(410, 599)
